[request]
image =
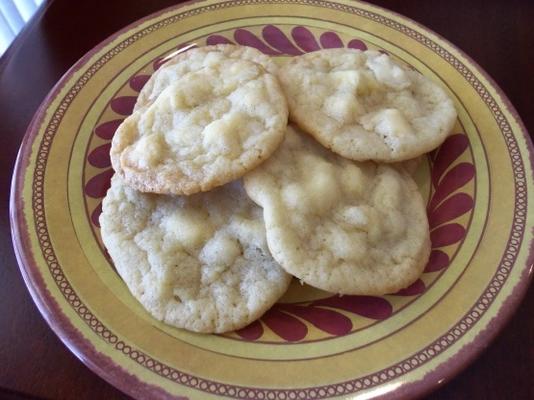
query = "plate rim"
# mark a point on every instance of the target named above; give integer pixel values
(116, 374)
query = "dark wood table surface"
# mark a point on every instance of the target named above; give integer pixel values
(499, 35)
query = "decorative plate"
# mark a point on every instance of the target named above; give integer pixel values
(311, 344)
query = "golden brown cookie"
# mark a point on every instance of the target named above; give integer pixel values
(207, 128)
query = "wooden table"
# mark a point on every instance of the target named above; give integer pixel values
(33, 362)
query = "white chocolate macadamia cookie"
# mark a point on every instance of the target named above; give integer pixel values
(365, 106)
(197, 262)
(205, 129)
(341, 226)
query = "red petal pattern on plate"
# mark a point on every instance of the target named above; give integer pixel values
(137, 82)
(437, 261)
(277, 39)
(158, 62)
(99, 184)
(357, 44)
(454, 179)
(304, 39)
(330, 40)
(217, 39)
(326, 320)
(446, 235)
(247, 38)
(96, 214)
(99, 157)
(123, 105)
(287, 327)
(367, 306)
(432, 157)
(415, 288)
(107, 129)
(453, 207)
(185, 44)
(252, 331)
(449, 151)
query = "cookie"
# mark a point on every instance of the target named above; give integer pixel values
(338, 225)
(194, 60)
(207, 128)
(365, 106)
(197, 262)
